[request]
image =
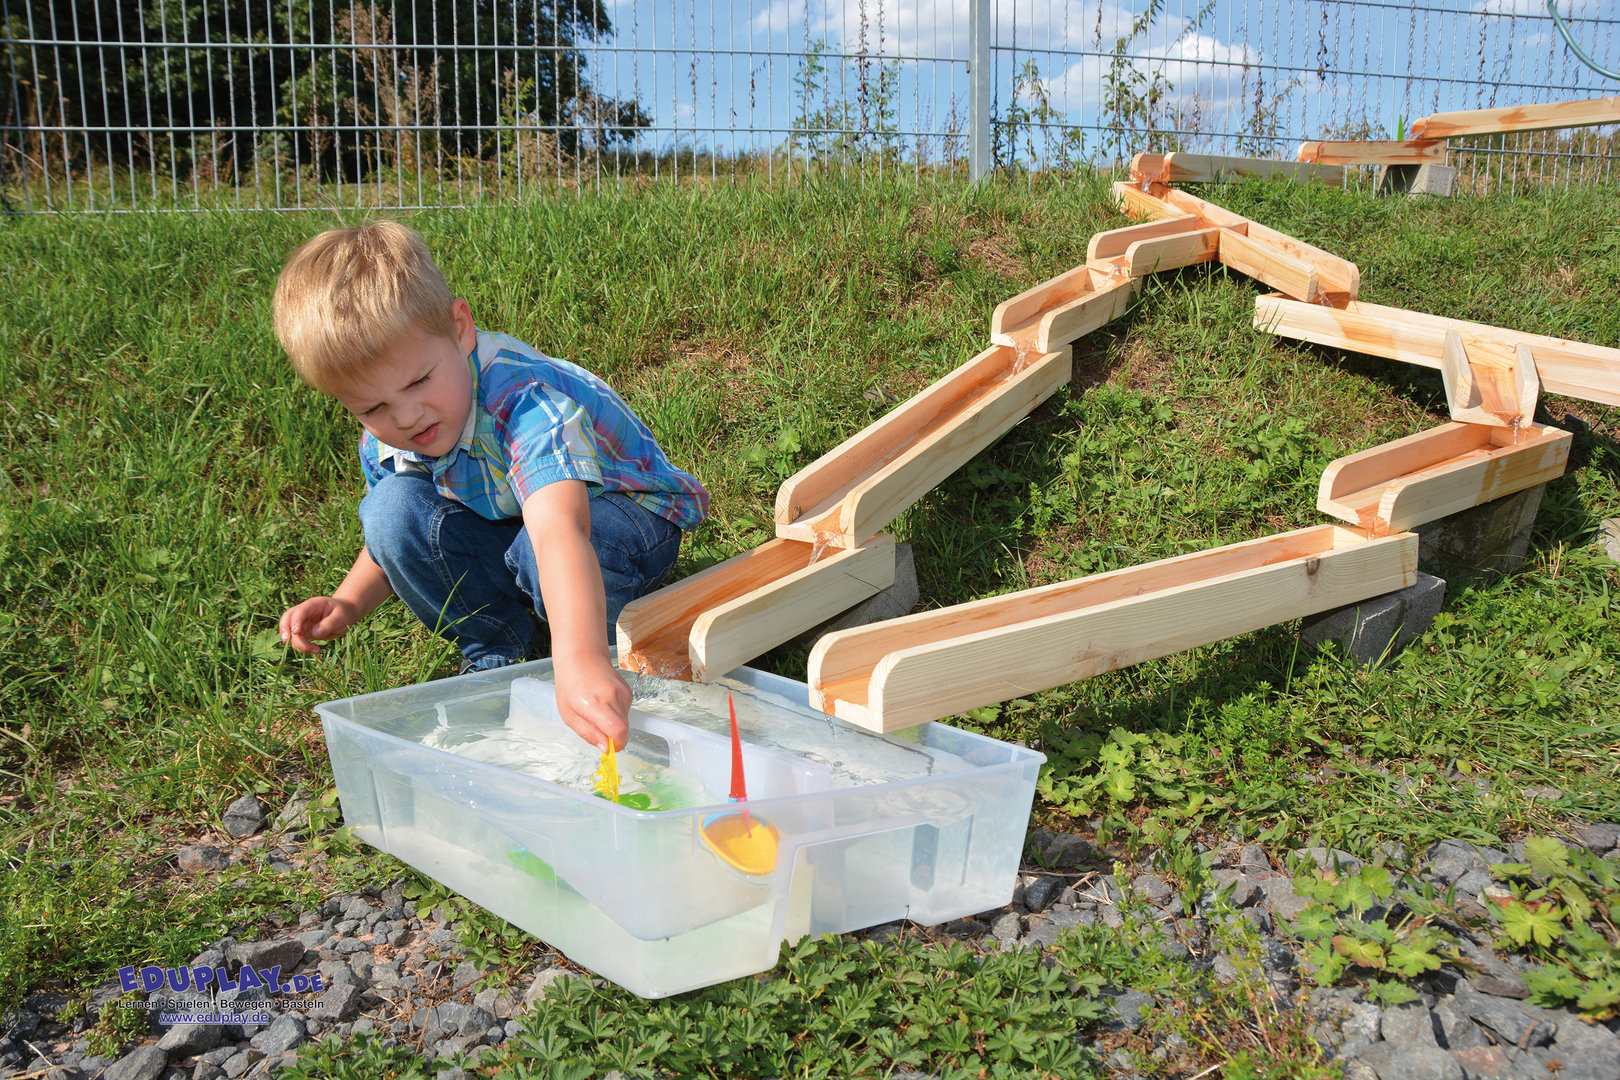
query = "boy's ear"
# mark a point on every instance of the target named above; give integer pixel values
(466, 330)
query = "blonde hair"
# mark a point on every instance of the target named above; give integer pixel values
(351, 293)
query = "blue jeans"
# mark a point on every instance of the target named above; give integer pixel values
(474, 581)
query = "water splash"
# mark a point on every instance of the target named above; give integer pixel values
(819, 548)
(1023, 350)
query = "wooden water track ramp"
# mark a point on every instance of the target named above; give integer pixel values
(1298, 269)
(866, 481)
(1374, 152)
(1567, 368)
(828, 553)
(704, 625)
(1179, 167)
(1559, 114)
(1424, 477)
(916, 668)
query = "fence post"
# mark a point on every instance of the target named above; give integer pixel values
(978, 89)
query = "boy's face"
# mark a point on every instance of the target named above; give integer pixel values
(417, 394)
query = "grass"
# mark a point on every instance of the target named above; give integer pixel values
(169, 489)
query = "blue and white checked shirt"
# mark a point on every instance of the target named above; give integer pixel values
(537, 420)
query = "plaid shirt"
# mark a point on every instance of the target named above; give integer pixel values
(537, 420)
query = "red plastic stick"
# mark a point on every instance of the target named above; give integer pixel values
(739, 790)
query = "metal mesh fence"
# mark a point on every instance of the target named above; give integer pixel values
(145, 104)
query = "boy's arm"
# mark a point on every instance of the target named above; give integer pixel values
(591, 696)
(322, 618)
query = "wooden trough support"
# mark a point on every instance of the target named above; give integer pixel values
(1184, 168)
(705, 625)
(1492, 385)
(865, 482)
(1439, 472)
(922, 667)
(1374, 152)
(1568, 368)
(1560, 114)
(1296, 268)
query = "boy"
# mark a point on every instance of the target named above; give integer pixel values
(497, 477)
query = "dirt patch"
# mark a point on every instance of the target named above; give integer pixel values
(1047, 565)
(995, 253)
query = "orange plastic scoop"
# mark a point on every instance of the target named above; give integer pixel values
(741, 839)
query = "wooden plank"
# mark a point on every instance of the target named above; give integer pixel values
(1569, 368)
(1374, 152)
(1340, 278)
(1484, 385)
(940, 663)
(731, 634)
(1605, 110)
(1179, 167)
(1109, 299)
(1145, 201)
(1112, 242)
(867, 480)
(819, 488)
(1029, 304)
(1471, 479)
(1270, 264)
(1171, 252)
(653, 631)
(1371, 468)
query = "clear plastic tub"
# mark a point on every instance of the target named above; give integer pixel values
(926, 825)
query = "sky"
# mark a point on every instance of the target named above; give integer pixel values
(1305, 69)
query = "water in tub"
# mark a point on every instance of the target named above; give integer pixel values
(793, 751)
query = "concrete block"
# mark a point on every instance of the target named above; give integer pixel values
(1492, 538)
(898, 599)
(1376, 628)
(1609, 535)
(1417, 180)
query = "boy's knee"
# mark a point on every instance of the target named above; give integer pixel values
(395, 516)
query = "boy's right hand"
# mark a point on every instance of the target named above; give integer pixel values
(320, 618)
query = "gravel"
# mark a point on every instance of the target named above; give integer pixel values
(408, 980)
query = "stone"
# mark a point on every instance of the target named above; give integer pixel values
(1494, 976)
(1457, 1031)
(293, 817)
(1411, 1022)
(1547, 1064)
(466, 974)
(1069, 852)
(1245, 892)
(1585, 1041)
(184, 1040)
(1253, 855)
(340, 1001)
(207, 1070)
(1327, 859)
(1042, 934)
(1493, 537)
(1373, 630)
(285, 953)
(1600, 837)
(285, 1033)
(1513, 1023)
(142, 1063)
(1474, 882)
(1610, 535)
(544, 980)
(1281, 898)
(1406, 1061)
(1413, 180)
(240, 1062)
(1005, 928)
(64, 1072)
(1450, 860)
(888, 603)
(1129, 1007)
(1152, 888)
(1038, 895)
(200, 858)
(1483, 1062)
(244, 817)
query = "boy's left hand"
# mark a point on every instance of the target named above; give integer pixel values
(594, 702)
